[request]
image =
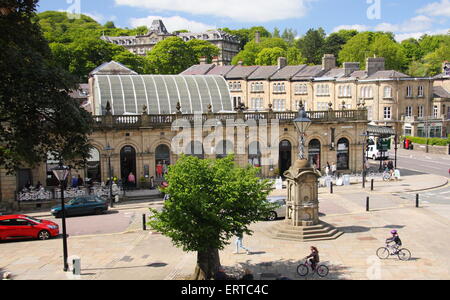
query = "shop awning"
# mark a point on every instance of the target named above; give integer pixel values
(379, 130)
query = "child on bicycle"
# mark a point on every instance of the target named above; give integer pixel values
(313, 258)
(394, 239)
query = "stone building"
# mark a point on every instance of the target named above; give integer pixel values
(228, 44)
(138, 115)
(391, 97)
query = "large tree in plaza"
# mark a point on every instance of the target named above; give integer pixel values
(210, 202)
(37, 115)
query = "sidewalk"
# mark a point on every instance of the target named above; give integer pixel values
(407, 184)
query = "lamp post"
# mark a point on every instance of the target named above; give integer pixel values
(109, 150)
(61, 172)
(302, 123)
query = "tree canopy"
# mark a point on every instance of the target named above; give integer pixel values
(37, 115)
(210, 202)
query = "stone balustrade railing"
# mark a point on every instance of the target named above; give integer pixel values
(145, 120)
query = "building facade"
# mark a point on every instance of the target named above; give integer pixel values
(228, 44)
(392, 98)
(143, 116)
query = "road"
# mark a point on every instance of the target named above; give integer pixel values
(423, 162)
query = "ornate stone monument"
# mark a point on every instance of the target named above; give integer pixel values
(302, 217)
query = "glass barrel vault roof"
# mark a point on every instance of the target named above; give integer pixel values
(128, 94)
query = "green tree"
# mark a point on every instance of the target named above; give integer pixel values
(294, 56)
(312, 45)
(335, 41)
(387, 47)
(289, 36)
(250, 53)
(276, 33)
(37, 115)
(134, 62)
(269, 56)
(203, 49)
(170, 56)
(210, 202)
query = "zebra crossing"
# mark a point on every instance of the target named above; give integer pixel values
(441, 196)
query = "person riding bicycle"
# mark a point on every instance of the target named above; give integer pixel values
(394, 239)
(313, 258)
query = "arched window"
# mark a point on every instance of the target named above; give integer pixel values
(343, 154)
(93, 168)
(314, 151)
(162, 160)
(128, 164)
(195, 148)
(254, 154)
(224, 148)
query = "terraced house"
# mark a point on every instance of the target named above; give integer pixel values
(392, 99)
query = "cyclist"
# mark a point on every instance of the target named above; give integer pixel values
(313, 258)
(394, 239)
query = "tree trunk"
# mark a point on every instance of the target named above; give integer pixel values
(208, 263)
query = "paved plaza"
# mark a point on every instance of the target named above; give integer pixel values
(137, 254)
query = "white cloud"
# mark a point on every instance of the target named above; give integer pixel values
(351, 27)
(238, 10)
(418, 23)
(100, 18)
(404, 36)
(172, 23)
(436, 9)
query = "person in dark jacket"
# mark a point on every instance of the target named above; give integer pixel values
(394, 239)
(220, 274)
(247, 275)
(313, 258)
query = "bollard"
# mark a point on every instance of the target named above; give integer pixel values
(367, 204)
(331, 188)
(417, 200)
(144, 224)
(371, 184)
(76, 266)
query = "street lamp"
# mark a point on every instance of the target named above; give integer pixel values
(61, 172)
(302, 123)
(109, 150)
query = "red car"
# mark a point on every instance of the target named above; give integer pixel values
(24, 227)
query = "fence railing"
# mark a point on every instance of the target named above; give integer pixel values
(47, 195)
(137, 121)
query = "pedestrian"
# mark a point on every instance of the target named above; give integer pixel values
(333, 169)
(131, 179)
(327, 169)
(115, 192)
(74, 182)
(248, 275)
(220, 274)
(240, 244)
(80, 181)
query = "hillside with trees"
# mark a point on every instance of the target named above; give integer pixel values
(77, 47)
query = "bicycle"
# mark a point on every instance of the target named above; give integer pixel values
(402, 254)
(304, 268)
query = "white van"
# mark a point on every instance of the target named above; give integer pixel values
(373, 153)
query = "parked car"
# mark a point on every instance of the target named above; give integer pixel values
(374, 153)
(280, 211)
(85, 205)
(25, 227)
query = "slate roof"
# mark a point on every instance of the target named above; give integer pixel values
(287, 72)
(263, 73)
(220, 70)
(198, 69)
(309, 73)
(387, 75)
(112, 68)
(440, 92)
(241, 72)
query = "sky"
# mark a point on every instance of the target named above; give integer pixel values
(406, 18)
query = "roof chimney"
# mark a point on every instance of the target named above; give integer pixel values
(350, 67)
(257, 37)
(203, 60)
(375, 64)
(328, 62)
(282, 62)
